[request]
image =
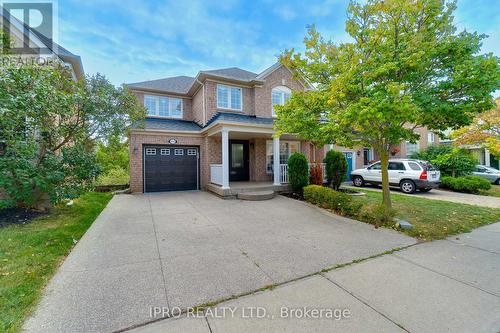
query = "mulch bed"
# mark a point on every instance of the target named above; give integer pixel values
(293, 195)
(12, 216)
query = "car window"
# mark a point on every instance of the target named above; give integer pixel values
(376, 166)
(428, 167)
(396, 166)
(479, 169)
(414, 166)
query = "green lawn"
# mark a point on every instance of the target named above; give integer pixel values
(494, 191)
(433, 219)
(30, 255)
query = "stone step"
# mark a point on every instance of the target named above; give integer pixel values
(256, 195)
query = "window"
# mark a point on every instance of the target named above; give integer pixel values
(396, 166)
(150, 151)
(431, 138)
(191, 152)
(228, 97)
(179, 152)
(161, 106)
(376, 166)
(279, 96)
(414, 166)
(480, 169)
(165, 151)
(287, 148)
(367, 156)
(411, 148)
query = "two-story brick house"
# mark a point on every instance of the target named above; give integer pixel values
(212, 130)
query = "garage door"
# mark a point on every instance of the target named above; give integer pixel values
(170, 168)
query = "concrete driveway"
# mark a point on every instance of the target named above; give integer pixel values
(450, 285)
(189, 248)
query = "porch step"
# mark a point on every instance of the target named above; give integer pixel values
(256, 195)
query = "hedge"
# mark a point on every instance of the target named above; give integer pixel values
(330, 199)
(343, 204)
(467, 184)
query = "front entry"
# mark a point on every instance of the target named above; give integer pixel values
(238, 160)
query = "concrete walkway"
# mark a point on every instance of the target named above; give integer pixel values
(445, 286)
(471, 199)
(184, 249)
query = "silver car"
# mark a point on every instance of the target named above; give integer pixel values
(492, 174)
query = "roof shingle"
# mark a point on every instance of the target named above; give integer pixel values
(176, 84)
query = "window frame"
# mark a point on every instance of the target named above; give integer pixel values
(229, 97)
(269, 144)
(282, 90)
(417, 145)
(169, 103)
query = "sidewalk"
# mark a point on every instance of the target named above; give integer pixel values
(450, 285)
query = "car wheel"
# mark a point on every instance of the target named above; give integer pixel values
(407, 186)
(497, 182)
(425, 189)
(358, 181)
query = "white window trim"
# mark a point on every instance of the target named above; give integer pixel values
(150, 151)
(179, 152)
(282, 90)
(229, 97)
(157, 104)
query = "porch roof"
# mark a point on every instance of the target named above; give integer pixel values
(240, 118)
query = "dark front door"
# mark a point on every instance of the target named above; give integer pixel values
(238, 160)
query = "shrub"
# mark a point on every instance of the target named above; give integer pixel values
(330, 199)
(316, 174)
(298, 171)
(336, 168)
(432, 152)
(116, 176)
(458, 162)
(377, 214)
(467, 184)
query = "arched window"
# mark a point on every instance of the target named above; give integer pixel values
(279, 96)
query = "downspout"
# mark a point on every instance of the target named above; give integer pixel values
(203, 96)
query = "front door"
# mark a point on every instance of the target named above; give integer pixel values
(348, 157)
(238, 160)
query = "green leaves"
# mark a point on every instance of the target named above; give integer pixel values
(405, 68)
(50, 124)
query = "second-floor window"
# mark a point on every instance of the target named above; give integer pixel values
(161, 106)
(229, 97)
(279, 96)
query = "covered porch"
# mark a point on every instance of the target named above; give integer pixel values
(251, 159)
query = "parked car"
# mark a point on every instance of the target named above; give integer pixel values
(409, 175)
(491, 174)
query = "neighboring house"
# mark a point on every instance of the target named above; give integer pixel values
(21, 33)
(208, 131)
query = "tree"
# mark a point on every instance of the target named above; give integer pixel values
(405, 67)
(484, 130)
(458, 162)
(336, 168)
(49, 124)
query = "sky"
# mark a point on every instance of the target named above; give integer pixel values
(131, 41)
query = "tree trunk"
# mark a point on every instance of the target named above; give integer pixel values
(386, 193)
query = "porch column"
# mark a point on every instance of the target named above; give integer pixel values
(276, 160)
(225, 159)
(487, 158)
